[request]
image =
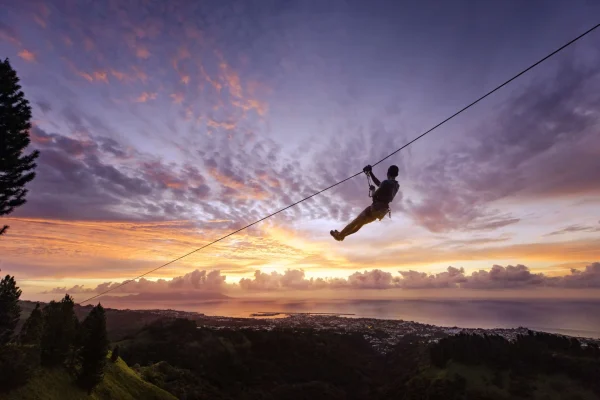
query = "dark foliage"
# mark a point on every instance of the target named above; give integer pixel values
(16, 169)
(199, 363)
(311, 390)
(10, 311)
(182, 383)
(32, 330)
(17, 364)
(528, 354)
(94, 349)
(114, 356)
(60, 332)
(424, 388)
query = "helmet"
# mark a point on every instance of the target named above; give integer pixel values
(393, 171)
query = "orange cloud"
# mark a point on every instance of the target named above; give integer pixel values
(213, 82)
(142, 52)
(232, 79)
(260, 107)
(37, 139)
(96, 76)
(185, 79)
(244, 191)
(86, 76)
(119, 75)
(101, 76)
(177, 98)
(44, 13)
(78, 250)
(144, 97)
(27, 55)
(225, 125)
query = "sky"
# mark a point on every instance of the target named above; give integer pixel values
(165, 125)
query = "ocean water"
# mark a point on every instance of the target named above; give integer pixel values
(569, 317)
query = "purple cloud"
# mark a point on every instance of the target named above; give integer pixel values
(539, 146)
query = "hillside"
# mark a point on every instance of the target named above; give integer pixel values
(119, 323)
(459, 381)
(120, 382)
(244, 364)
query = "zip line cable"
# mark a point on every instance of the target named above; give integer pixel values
(358, 173)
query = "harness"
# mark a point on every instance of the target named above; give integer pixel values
(372, 189)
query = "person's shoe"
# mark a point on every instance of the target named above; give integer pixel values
(336, 235)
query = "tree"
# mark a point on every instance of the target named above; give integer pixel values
(115, 354)
(60, 330)
(10, 311)
(16, 169)
(94, 350)
(33, 327)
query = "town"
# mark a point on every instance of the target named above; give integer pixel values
(381, 333)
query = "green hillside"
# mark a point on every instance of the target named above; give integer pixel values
(120, 382)
(459, 381)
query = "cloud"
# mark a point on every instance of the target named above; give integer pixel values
(225, 125)
(417, 280)
(548, 124)
(503, 277)
(145, 96)
(142, 52)
(44, 106)
(39, 21)
(196, 280)
(496, 278)
(8, 34)
(573, 229)
(588, 278)
(177, 98)
(27, 55)
(374, 279)
(97, 178)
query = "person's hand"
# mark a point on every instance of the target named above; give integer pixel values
(367, 169)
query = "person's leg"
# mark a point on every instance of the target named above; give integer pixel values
(363, 218)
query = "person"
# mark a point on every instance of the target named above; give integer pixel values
(382, 198)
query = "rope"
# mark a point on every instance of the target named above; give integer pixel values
(358, 173)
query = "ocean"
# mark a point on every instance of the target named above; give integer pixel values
(568, 317)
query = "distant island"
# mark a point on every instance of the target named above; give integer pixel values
(276, 313)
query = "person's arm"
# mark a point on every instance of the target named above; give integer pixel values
(375, 180)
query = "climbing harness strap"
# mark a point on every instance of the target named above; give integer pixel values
(372, 191)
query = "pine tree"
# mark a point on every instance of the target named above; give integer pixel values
(16, 169)
(33, 327)
(60, 330)
(10, 311)
(94, 350)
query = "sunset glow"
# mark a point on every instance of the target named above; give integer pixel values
(165, 125)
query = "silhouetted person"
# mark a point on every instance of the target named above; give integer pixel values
(382, 198)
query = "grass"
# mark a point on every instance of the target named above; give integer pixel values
(480, 379)
(120, 382)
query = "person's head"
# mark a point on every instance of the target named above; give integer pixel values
(392, 172)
